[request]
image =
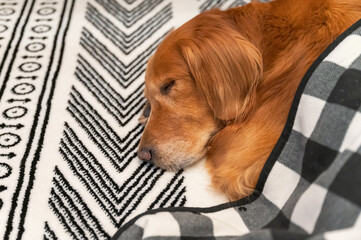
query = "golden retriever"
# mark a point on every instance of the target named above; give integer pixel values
(221, 85)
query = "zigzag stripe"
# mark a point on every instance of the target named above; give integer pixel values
(86, 162)
(84, 165)
(128, 18)
(103, 51)
(95, 122)
(117, 162)
(108, 151)
(180, 197)
(73, 150)
(72, 142)
(130, 1)
(131, 189)
(147, 181)
(102, 139)
(182, 200)
(109, 102)
(238, 3)
(127, 43)
(106, 205)
(116, 201)
(49, 234)
(124, 75)
(105, 88)
(171, 194)
(62, 219)
(65, 217)
(66, 202)
(128, 187)
(121, 118)
(166, 189)
(73, 199)
(83, 120)
(207, 5)
(119, 165)
(98, 193)
(101, 123)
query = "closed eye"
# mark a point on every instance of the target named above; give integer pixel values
(146, 113)
(165, 89)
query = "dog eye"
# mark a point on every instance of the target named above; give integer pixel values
(167, 87)
(147, 109)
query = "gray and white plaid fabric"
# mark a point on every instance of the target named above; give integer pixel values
(310, 185)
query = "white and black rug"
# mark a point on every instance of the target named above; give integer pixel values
(71, 82)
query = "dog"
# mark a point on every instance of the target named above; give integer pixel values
(221, 85)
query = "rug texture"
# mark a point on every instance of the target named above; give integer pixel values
(71, 92)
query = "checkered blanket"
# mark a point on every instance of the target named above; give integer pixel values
(310, 187)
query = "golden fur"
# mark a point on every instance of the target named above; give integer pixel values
(221, 85)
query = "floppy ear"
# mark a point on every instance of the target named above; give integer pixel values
(225, 66)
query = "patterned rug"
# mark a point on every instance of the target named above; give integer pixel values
(71, 82)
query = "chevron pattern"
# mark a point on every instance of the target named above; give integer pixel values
(239, 3)
(124, 74)
(72, 211)
(88, 126)
(223, 4)
(127, 43)
(118, 151)
(207, 5)
(71, 98)
(123, 111)
(116, 201)
(129, 17)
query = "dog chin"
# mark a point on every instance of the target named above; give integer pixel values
(175, 165)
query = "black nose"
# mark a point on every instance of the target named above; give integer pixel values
(145, 154)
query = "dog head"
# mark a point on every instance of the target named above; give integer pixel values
(202, 76)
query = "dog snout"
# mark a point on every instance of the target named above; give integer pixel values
(145, 154)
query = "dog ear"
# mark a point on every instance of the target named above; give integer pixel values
(224, 65)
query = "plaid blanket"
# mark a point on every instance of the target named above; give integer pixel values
(310, 185)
